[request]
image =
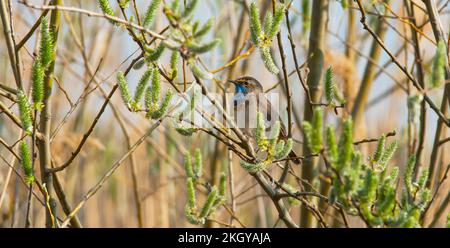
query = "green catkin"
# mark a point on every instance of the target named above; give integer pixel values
(252, 168)
(317, 130)
(124, 90)
(388, 153)
(190, 7)
(255, 24)
(277, 19)
(279, 147)
(223, 184)
(185, 131)
(46, 45)
(151, 13)
(106, 8)
(220, 198)
(268, 61)
(198, 163)
(380, 149)
(286, 150)
(268, 22)
(164, 105)
(142, 84)
(412, 218)
(173, 64)
(331, 144)
(307, 129)
(407, 178)
(172, 45)
(354, 176)
(156, 86)
(207, 208)
(260, 135)
(423, 178)
(191, 193)
(425, 197)
(198, 34)
(195, 27)
(194, 99)
(394, 173)
(155, 54)
(149, 102)
(388, 203)
(346, 144)
(198, 72)
(329, 86)
(191, 216)
(26, 162)
(438, 73)
(203, 48)
(188, 166)
(414, 107)
(25, 112)
(38, 84)
(275, 134)
(370, 188)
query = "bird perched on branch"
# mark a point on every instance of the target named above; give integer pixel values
(248, 99)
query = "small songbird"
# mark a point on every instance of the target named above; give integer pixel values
(247, 91)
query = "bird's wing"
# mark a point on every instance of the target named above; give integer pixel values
(274, 115)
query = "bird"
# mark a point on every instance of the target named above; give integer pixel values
(248, 99)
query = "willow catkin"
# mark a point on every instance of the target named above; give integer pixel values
(277, 19)
(204, 47)
(46, 45)
(438, 73)
(26, 162)
(188, 166)
(37, 78)
(142, 84)
(407, 177)
(207, 207)
(260, 134)
(198, 34)
(198, 163)
(190, 8)
(25, 112)
(379, 151)
(331, 144)
(255, 24)
(124, 89)
(329, 86)
(150, 14)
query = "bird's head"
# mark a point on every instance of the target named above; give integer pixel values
(246, 85)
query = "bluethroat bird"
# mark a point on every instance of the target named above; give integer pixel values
(248, 99)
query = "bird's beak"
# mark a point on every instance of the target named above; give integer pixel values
(232, 81)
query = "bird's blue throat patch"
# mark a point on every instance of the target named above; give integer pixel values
(241, 89)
